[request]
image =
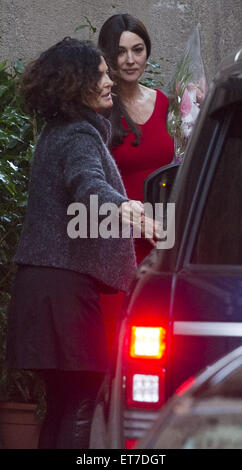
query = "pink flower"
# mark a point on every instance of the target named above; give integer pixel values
(186, 104)
(200, 89)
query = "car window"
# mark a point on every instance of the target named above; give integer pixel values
(225, 383)
(184, 187)
(212, 423)
(219, 239)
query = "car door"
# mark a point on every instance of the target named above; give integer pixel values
(206, 308)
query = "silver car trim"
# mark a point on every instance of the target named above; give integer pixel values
(197, 328)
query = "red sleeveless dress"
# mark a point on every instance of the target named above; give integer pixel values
(156, 149)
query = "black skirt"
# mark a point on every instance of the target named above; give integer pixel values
(55, 322)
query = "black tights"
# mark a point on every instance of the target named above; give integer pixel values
(70, 399)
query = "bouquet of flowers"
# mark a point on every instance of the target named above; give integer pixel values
(186, 91)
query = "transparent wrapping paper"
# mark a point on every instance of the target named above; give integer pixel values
(186, 91)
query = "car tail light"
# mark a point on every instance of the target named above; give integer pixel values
(147, 342)
(144, 376)
(145, 373)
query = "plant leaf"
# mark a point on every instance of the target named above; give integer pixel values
(3, 65)
(82, 26)
(19, 66)
(3, 88)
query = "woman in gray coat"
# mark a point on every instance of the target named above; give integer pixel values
(55, 324)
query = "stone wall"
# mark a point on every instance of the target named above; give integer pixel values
(29, 26)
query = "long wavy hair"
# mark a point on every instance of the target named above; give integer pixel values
(108, 42)
(61, 80)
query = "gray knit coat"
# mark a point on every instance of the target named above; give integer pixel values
(72, 162)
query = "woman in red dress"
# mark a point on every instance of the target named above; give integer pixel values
(140, 142)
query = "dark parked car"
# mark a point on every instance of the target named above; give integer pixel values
(184, 309)
(205, 412)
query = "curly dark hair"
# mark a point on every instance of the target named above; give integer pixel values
(60, 81)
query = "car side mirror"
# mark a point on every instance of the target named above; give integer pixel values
(157, 186)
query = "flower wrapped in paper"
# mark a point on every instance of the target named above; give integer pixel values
(186, 91)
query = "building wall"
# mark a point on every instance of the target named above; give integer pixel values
(28, 27)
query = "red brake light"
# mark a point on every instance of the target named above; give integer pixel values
(130, 443)
(147, 342)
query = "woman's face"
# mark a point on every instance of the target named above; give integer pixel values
(104, 99)
(132, 57)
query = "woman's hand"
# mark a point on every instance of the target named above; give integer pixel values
(151, 229)
(133, 213)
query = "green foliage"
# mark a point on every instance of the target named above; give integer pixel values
(17, 141)
(89, 25)
(182, 77)
(153, 77)
(18, 134)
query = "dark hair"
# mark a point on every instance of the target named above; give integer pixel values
(61, 79)
(108, 41)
